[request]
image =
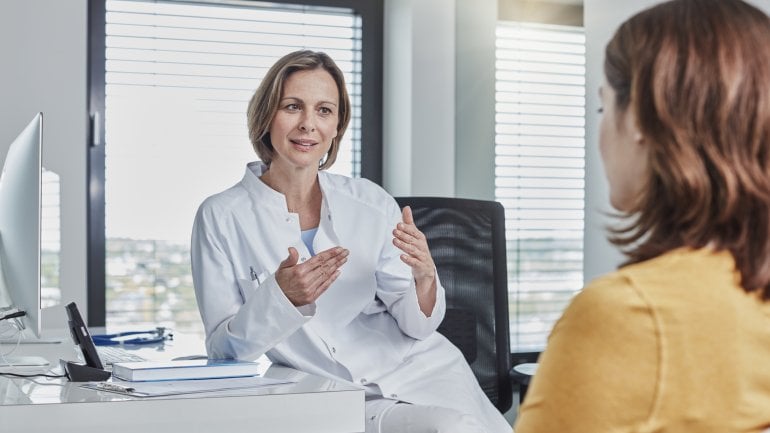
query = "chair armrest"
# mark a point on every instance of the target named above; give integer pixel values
(521, 374)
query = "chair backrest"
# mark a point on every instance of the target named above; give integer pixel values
(467, 242)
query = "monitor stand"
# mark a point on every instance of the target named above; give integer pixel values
(13, 361)
(28, 337)
(7, 341)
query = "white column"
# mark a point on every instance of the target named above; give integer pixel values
(475, 99)
(419, 100)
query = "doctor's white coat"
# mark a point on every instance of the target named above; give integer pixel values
(366, 329)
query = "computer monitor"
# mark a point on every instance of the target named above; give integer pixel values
(20, 226)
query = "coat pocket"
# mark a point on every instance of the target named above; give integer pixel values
(247, 288)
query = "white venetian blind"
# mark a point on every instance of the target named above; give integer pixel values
(539, 171)
(179, 76)
(50, 239)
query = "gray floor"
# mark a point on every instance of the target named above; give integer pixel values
(512, 412)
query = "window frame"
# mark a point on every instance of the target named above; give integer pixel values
(371, 12)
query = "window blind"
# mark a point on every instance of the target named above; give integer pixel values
(50, 239)
(539, 171)
(179, 76)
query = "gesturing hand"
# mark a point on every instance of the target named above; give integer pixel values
(303, 283)
(409, 239)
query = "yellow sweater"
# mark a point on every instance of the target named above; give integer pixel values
(672, 344)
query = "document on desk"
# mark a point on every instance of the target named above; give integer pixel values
(179, 387)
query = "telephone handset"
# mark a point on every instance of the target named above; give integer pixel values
(94, 369)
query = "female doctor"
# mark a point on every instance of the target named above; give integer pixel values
(268, 256)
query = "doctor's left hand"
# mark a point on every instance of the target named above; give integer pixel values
(303, 283)
(409, 239)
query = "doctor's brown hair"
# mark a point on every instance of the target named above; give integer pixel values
(696, 75)
(265, 101)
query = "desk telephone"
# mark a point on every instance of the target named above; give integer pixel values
(93, 370)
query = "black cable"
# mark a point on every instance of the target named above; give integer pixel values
(52, 376)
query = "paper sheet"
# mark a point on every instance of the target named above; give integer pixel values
(177, 387)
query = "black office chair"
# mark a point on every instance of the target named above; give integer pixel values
(467, 242)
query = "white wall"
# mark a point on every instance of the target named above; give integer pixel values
(475, 99)
(419, 97)
(43, 49)
(439, 97)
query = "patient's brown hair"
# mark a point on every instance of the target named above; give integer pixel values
(696, 74)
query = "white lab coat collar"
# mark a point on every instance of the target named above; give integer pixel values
(266, 196)
(254, 185)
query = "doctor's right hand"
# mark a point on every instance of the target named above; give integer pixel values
(304, 282)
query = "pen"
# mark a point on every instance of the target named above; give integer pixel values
(13, 314)
(253, 273)
(109, 386)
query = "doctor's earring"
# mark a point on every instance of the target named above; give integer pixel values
(332, 148)
(323, 161)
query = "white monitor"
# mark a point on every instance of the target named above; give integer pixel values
(20, 226)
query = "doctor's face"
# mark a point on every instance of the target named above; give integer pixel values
(305, 124)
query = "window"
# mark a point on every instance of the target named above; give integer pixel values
(539, 171)
(50, 239)
(177, 78)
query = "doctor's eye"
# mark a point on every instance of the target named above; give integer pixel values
(291, 107)
(325, 111)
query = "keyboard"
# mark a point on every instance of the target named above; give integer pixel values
(112, 354)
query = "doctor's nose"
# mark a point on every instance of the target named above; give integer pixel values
(306, 124)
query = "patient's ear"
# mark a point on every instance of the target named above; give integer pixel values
(632, 124)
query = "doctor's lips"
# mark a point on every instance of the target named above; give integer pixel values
(304, 142)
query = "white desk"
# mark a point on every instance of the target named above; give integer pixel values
(312, 404)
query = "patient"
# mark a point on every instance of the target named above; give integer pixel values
(678, 339)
